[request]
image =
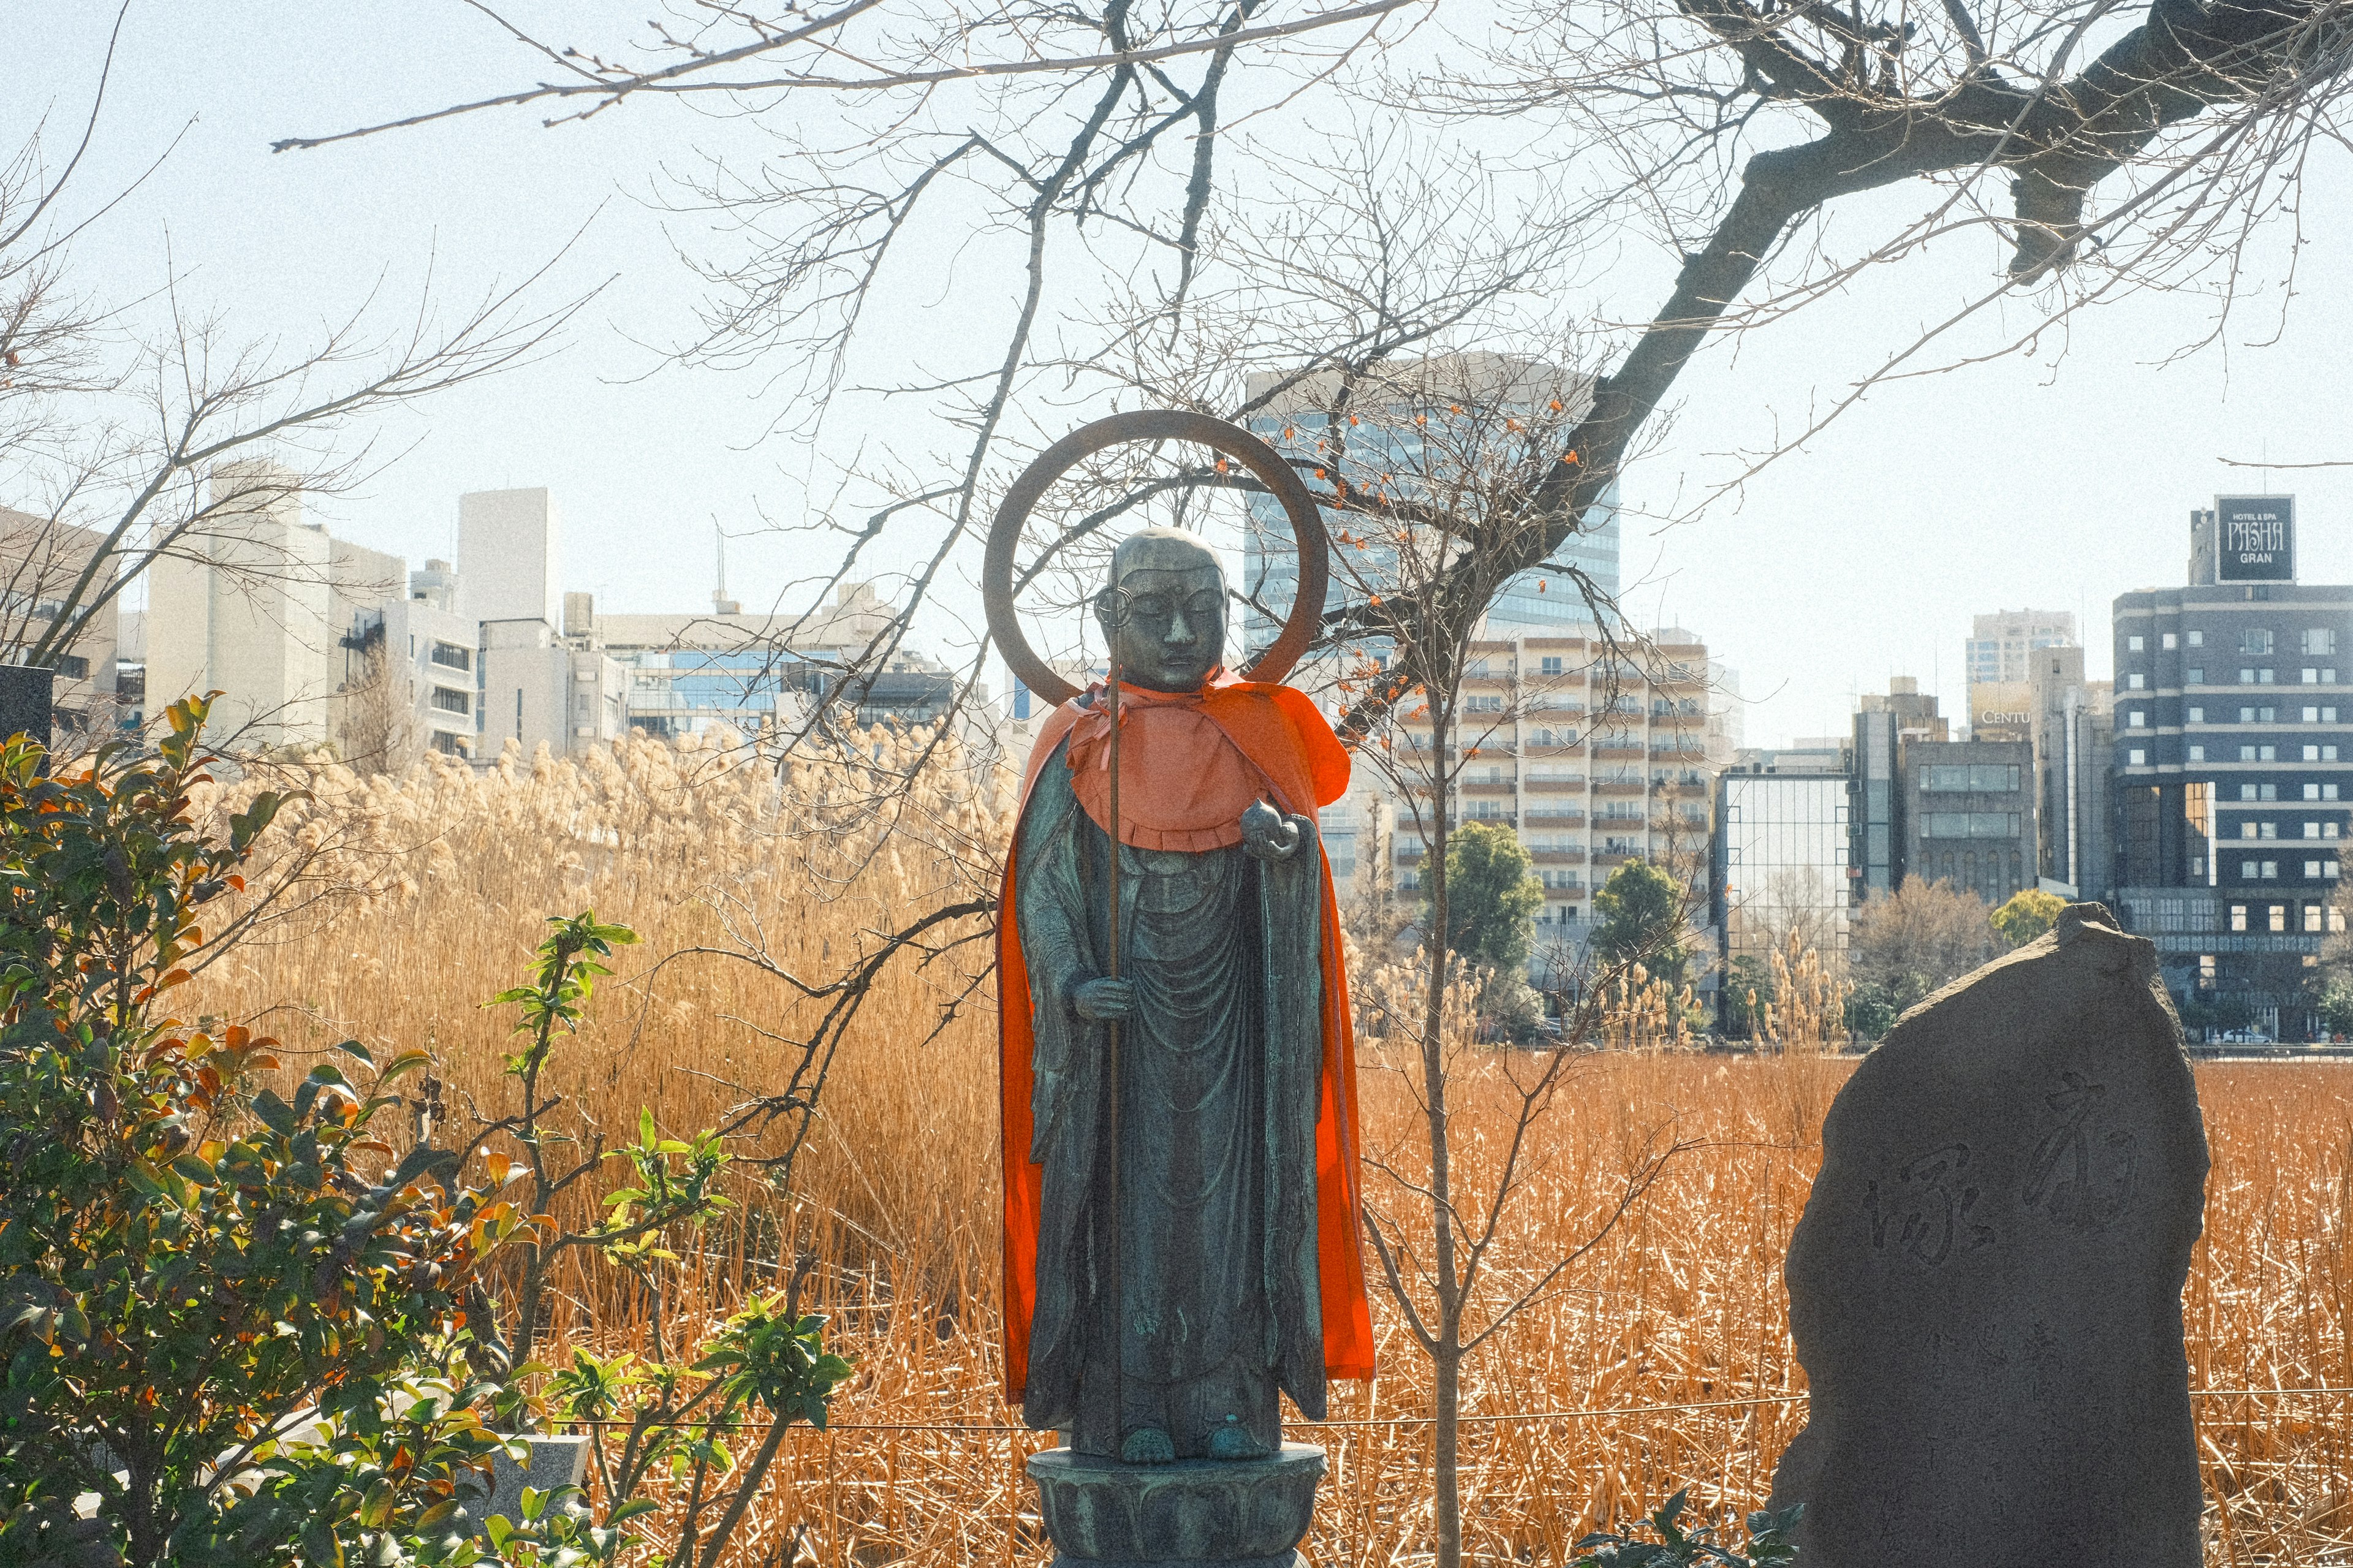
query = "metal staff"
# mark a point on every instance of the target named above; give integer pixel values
(1118, 604)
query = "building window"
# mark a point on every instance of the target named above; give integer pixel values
(2255, 640)
(452, 655)
(2311, 676)
(2168, 641)
(2320, 639)
(2246, 675)
(2193, 675)
(2263, 675)
(2278, 913)
(2271, 792)
(2197, 639)
(2134, 645)
(1968, 823)
(2270, 870)
(1982, 777)
(2136, 683)
(2197, 715)
(2238, 917)
(2246, 830)
(1549, 663)
(2247, 791)
(450, 701)
(2137, 719)
(447, 744)
(2197, 754)
(2246, 753)
(2267, 753)
(2139, 758)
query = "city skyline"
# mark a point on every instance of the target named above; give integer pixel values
(1860, 554)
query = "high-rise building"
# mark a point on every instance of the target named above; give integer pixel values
(1388, 440)
(1998, 644)
(2233, 764)
(1594, 752)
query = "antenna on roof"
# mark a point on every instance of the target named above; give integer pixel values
(720, 603)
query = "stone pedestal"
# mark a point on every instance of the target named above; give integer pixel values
(1196, 1513)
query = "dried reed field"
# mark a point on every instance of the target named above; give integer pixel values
(426, 896)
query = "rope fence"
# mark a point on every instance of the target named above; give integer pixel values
(1400, 1422)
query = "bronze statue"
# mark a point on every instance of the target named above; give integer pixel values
(1229, 1269)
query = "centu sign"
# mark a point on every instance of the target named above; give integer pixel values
(2256, 538)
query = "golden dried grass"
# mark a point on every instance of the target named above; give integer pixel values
(445, 878)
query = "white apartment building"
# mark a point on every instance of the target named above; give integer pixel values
(1592, 758)
(431, 648)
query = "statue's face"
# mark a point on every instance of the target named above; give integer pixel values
(1173, 629)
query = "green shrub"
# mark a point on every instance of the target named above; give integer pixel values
(229, 1317)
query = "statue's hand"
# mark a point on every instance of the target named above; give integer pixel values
(1103, 1001)
(1267, 834)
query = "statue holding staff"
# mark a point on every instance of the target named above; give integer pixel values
(1165, 1285)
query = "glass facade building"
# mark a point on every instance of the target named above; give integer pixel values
(1781, 859)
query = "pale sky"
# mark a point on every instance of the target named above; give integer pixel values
(2054, 481)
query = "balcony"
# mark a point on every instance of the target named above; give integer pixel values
(1619, 786)
(1557, 857)
(1493, 819)
(1537, 818)
(1552, 786)
(1485, 787)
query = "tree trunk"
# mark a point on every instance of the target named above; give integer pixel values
(1448, 1354)
(1446, 1446)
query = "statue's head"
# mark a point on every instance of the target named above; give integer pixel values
(1171, 631)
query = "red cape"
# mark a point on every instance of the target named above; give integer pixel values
(1284, 736)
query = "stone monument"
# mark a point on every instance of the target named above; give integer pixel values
(1180, 1168)
(1985, 1285)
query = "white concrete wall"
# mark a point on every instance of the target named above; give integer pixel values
(253, 615)
(510, 555)
(525, 688)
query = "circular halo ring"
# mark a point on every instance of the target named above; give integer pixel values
(1154, 425)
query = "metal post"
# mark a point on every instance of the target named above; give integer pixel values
(27, 691)
(1118, 1260)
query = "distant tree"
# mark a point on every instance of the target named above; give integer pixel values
(2028, 914)
(2336, 1006)
(1748, 993)
(1905, 944)
(1639, 916)
(1493, 897)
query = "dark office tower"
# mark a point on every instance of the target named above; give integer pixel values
(2233, 762)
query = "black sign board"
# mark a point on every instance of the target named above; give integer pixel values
(2254, 539)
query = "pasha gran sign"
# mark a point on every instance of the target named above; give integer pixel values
(2254, 538)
